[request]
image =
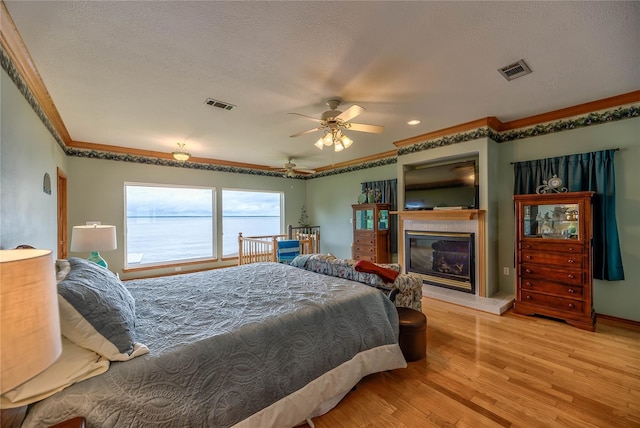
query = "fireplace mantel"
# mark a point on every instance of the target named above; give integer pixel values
(439, 214)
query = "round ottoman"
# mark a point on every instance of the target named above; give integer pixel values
(413, 333)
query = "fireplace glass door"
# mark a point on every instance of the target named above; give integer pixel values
(445, 259)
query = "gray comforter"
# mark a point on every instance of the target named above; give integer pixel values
(226, 343)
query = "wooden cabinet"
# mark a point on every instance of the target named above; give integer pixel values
(554, 257)
(371, 232)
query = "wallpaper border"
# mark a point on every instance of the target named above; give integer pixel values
(581, 121)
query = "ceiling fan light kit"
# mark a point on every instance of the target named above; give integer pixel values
(334, 121)
(290, 170)
(181, 154)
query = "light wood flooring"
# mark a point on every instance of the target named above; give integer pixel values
(485, 370)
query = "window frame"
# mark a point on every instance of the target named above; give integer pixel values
(234, 189)
(214, 227)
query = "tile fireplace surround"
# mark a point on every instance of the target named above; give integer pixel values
(471, 221)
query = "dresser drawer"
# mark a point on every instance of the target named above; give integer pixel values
(570, 260)
(364, 257)
(560, 290)
(368, 239)
(560, 247)
(364, 249)
(564, 276)
(551, 302)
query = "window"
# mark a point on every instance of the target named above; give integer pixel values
(166, 224)
(251, 212)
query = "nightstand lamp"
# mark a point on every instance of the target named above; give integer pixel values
(94, 238)
(30, 336)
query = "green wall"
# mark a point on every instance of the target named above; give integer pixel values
(615, 298)
(96, 192)
(27, 152)
(27, 215)
(329, 201)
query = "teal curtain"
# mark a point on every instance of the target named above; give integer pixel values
(581, 172)
(389, 191)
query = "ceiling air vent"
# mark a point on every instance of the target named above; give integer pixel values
(515, 70)
(219, 104)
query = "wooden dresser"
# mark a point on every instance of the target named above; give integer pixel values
(554, 257)
(371, 232)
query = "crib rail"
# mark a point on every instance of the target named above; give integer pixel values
(254, 249)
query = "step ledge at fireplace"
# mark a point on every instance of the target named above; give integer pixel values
(497, 304)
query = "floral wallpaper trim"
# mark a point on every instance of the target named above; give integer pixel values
(594, 118)
(16, 78)
(96, 154)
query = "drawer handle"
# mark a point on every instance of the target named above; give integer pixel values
(571, 305)
(529, 284)
(527, 246)
(571, 261)
(528, 257)
(571, 291)
(528, 297)
(570, 248)
(527, 270)
(571, 276)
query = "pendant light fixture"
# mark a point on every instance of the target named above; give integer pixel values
(181, 154)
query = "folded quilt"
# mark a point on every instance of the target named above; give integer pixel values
(387, 275)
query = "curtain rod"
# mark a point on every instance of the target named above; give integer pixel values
(617, 149)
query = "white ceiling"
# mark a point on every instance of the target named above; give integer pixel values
(136, 73)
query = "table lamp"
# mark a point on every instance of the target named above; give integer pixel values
(94, 238)
(30, 336)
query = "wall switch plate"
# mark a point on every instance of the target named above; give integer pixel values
(505, 270)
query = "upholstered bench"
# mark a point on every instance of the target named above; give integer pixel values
(413, 333)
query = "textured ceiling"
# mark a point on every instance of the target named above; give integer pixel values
(136, 73)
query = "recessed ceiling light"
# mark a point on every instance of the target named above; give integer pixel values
(413, 122)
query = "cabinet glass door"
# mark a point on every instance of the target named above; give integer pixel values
(556, 221)
(364, 219)
(383, 219)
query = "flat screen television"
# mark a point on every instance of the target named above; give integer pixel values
(447, 186)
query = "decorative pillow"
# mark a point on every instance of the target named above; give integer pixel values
(97, 312)
(387, 275)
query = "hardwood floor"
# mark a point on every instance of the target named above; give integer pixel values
(484, 370)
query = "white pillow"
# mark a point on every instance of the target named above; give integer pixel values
(74, 365)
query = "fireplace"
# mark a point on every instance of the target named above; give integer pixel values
(445, 259)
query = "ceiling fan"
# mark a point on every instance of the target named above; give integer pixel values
(333, 122)
(289, 169)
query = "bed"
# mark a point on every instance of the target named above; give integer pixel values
(256, 345)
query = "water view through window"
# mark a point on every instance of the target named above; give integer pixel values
(251, 212)
(168, 224)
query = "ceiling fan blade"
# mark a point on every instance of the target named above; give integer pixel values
(309, 131)
(350, 113)
(304, 170)
(315, 119)
(376, 129)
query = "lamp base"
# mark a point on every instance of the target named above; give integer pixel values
(95, 257)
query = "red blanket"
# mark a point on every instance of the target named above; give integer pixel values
(387, 275)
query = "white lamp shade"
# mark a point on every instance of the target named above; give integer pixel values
(346, 141)
(30, 335)
(93, 238)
